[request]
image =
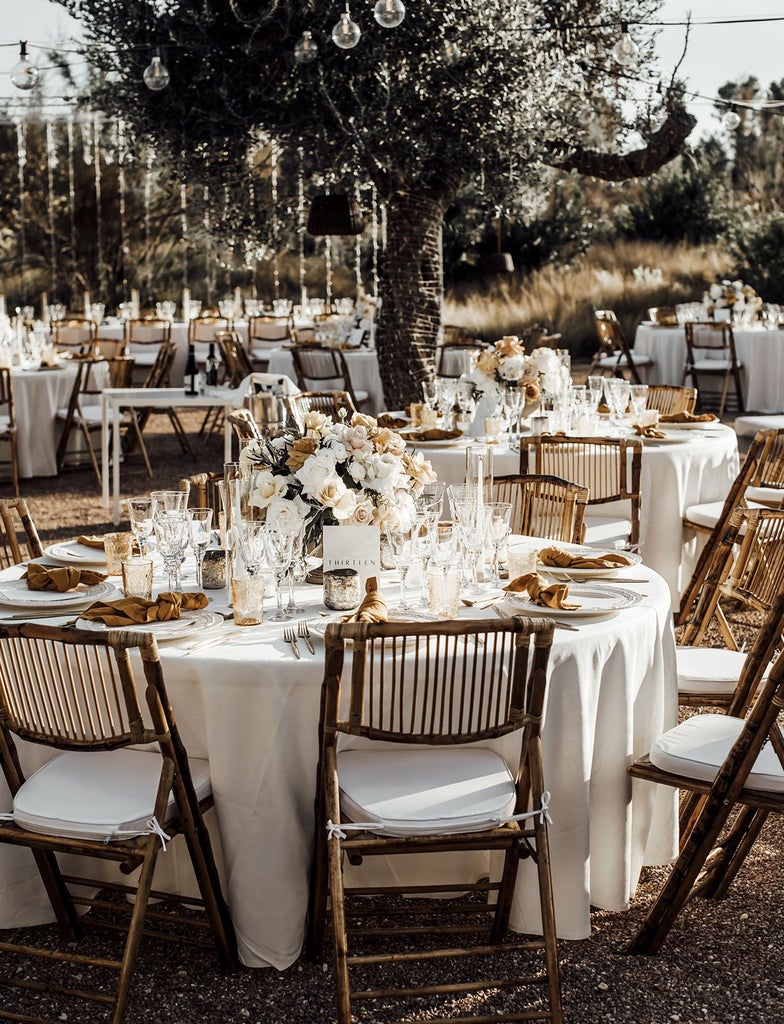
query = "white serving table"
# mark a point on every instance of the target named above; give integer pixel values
(759, 350)
(117, 399)
(251, 708)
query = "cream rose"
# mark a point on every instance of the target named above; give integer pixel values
(419, 469)
(314, 421)
(334, 494)
(509, 346)
(265, 488)
(287, 514)
(388, 441)
(359, 419)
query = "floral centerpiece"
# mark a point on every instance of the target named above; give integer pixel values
(732, 295)
(351, 472)
(507, 365)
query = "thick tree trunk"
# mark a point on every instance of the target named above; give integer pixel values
(411, 296)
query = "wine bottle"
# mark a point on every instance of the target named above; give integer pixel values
(191, 372)
(211, 372)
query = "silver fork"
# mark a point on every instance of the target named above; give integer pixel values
(291, 638)
(303, 630)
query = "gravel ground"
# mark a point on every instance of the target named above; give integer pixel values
(722, 963)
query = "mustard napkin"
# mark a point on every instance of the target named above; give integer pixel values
(649, 431)
(93, 541)
(373, 607)
(62, 578)
(563, 560)
(129, 611)
(433, 434)
(688, 417)
(551, 595)
(392, 422)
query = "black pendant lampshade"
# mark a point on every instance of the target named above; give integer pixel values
(334, 214)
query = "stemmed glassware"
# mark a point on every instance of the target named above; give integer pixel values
(172, 531)
(279, 555)
(140, 513)
(497, 515)
(430, 393)
(200, 532)
(169, 501)
(595, 392)
(513, 404)
(399, 539)
(639, 400)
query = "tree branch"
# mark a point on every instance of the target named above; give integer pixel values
(664, 145)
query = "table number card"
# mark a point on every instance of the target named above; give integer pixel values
(353, 547)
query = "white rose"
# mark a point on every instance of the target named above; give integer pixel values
(334, 494)
(249, 456)
(315, 471)
(364, 512)
(287, 514)
(314, 421)
(512, 367)
(266, 487)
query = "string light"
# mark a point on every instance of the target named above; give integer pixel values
(306, 50)
(24, 75)
(346, 33)
(451, 52)
(389, 13)
(626, 51)
(731, 120)
(156, 75)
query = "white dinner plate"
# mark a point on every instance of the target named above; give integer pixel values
(175, 629)
(587, 552)
(73, 553)
(676, 438)
(593, 599)
(319, 626)
(17, 594)
(450, 442)
(698, 425)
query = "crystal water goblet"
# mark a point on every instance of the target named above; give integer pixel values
(497, 518)
(639, 400)
(200, 533)
(399, 539)
(279, 554)
(172, 534)
(141, 513)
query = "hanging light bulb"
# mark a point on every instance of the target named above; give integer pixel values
(389, 13)
(452, 52)
(24, 75)
(306, 50)
(626, 50)
(156, 75)
(731, 120)
(346, 33)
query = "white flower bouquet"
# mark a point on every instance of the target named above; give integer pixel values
(350, 472)
(507, 365)
(732, 295)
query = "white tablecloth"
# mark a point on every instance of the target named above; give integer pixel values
(761, 352)
(38, 394)
(362, 366)
(252, 709)
(674, 476)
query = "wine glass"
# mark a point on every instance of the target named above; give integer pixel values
(279, 553)
(496, 521)
(444, 543)
(399, 539)
(140, 513)
(172, 533)
(639, 399)
(169, 501)
(200, 531)
(430, 393)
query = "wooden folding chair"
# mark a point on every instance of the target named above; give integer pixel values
(202, 330)
(439, 693)
(710, 352)
(759, 481)
(614, 353)
(19, 540)
(235, 357)
(203, 492)
(244, 425)
(331, 403)
(266, 333)
(670, 399)
(144, 339)
(609, 467)
(74, 692)
(732, 765)
(543, 506)
(325, 369)
(8, 425)
(75, 332)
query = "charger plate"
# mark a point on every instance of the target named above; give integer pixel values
(174, 629)
(593, 599)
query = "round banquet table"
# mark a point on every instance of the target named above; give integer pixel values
(699, 467)
(38, 394)
(362, 365)
(759, 350)
(252, 708)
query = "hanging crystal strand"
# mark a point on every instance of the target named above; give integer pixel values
(148, 221)
(122, 188)
(51, 163)
(21, 159)
(250, 259)
(374, 229)
(358, 245)
(275, 222)
(328, 269)
(98, 215)
(184, 232)
(301, 230)
(72, 197)
(208, 245)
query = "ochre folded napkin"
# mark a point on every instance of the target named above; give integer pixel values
(373, 608)
(62, 578)
(551, 595)
(433, 434)
(688, 417)
(392, 422)
(91, 541)
(130, 611)
(563, 560)
(647, 431)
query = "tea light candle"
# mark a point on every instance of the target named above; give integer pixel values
(341, 589)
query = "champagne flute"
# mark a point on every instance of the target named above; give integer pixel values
(399, 540)
(140, 513)
(279, 552)
(200, 531)
(497, 517)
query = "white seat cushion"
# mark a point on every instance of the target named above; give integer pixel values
(699, 746)
(639, 360)
(706, 515)
(747, 426)
(766, 496)
(708, 669)
(361, 396)
(714, 365)
(100, 795)
(422, 790)
(603, 530)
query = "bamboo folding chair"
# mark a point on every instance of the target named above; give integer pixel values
(670, 399)
(266, 333)
(752, 579)
(145, 338)
(19, 540)
(729, 764)
(74, 692)
(204, 329)
(609, 467)
(324, 369)
(710, 352)
(203, 492)
(335, 404)
(543, 506)
(759, 482)
(74, 332)
(614, 352)
(235, 357)
(439, 693)
(244, 426)
(8, 425)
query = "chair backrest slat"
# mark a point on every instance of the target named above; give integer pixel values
(19, 539)
(543, 506)
(670, 399)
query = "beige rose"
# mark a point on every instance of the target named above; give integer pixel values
(486, 363)
(418, 468)
(387, 440)
(335, 495)
(314, 421)
(359, 419)
(364, 513)
(509, 345)
(532, 390)
(300, 451)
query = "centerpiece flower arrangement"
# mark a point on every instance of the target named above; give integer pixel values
(506, 365)
(732, 295)
(351, 472)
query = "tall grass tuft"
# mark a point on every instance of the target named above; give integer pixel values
(564, 297)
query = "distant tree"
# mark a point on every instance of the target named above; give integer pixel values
(757, 145)
(464, 92)
(758, 252)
